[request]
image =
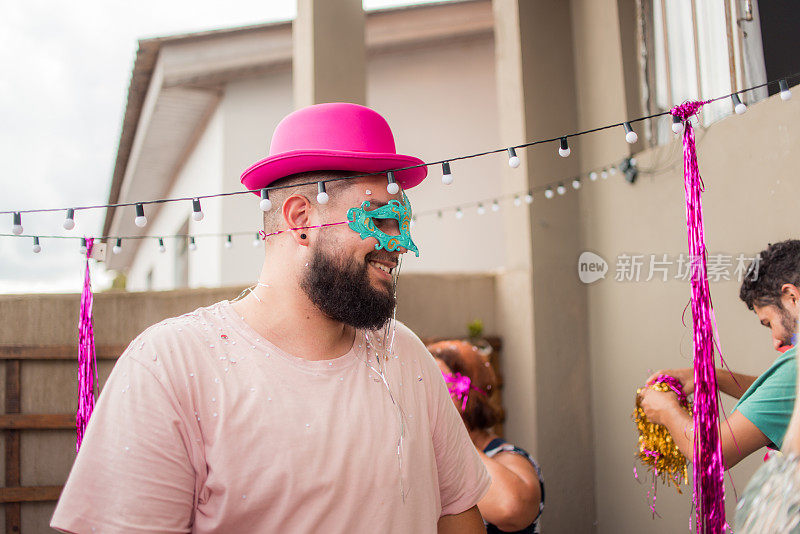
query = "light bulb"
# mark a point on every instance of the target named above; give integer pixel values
(677, 124)
(17, 226)
(447, 177)
(738, 107)
(69, 221)
(563, 150)
(630, 135)
(140, 219)
(392, 188)
(513, 160)
(786, 94)
(197, 212)
(322, 195)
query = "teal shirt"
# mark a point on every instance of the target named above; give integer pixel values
(769, 402)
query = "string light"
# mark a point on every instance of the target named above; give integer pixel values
(604, 174)
(561, 189)
(37, 248)
(630, 135)
(447, 177)
(786, 94)
(738, 106)
(69, 222)
(16, 228)
(563, 150)
(322, 195)
(446, 174)
(593, 176)
(392, 188)
(161, 247)
(677, 124)
(197, 212)
(627, 165)
(513, 160)
(548, 193)
(140, 219)
(265, 204)
(481, 209)
(612, 171)
(83, 246)
(192, 244)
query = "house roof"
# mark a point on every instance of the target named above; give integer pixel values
(177, 82)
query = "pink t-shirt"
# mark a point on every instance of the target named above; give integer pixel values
(203, 426)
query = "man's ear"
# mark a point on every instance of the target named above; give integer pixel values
(297, 213)
(790, 292)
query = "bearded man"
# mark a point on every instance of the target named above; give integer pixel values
(771, 289)
(304, 406)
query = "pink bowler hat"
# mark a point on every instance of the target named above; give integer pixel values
(333, 137)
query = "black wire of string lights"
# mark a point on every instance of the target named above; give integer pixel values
(447, 177)
(626, 166)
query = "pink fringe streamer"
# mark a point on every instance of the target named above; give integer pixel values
(709, 470)
(87, 362)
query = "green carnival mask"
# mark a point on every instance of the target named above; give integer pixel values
(362, 223)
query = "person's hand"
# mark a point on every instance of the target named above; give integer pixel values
(657, 405)
(685, 376)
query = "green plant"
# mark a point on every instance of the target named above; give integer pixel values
(475, 329)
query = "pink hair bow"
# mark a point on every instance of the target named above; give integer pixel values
(459, 385)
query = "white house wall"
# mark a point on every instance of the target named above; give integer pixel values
(252, 110)
(441, 102)
(201, 174)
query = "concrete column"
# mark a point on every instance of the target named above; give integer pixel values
(542, 303)
(329, 52)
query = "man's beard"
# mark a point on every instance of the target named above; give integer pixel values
(789, 324)
(342, 290)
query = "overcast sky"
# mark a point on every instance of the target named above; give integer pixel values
(63, 88)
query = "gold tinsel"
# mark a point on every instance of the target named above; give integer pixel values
(670, 464)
